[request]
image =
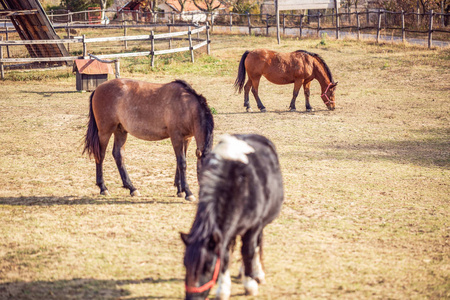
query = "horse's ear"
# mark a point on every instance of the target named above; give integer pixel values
(184, 238)
(335, 84)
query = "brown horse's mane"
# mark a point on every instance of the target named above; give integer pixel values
(320, 59)
(208, 121)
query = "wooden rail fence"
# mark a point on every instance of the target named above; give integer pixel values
(84, 41)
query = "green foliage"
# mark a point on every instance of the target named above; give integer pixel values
(323, 41)
(79, 5)
(246, 6)
(213, 110)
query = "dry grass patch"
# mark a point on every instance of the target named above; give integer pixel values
(366, 210)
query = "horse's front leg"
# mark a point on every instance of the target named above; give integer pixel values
(307, 93)
(120, 137)
(253, 272)
(224, 283)
(297, 86)
(180, 146)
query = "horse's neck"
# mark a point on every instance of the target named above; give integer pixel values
(321, 76)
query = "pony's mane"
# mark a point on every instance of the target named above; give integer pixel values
(204, 223)
(207, 121)
(320, 59)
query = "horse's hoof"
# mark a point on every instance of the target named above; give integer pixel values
(179, 195)
(310, 109)
(250, 286)
(135, 193)
(249, 109)
(292, 109)
(105, 193)
(190, 198)
(263, 110)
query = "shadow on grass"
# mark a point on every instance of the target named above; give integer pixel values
(429, 148)
(79, 288)
(74, 200)
(276, 111)
(48, 94)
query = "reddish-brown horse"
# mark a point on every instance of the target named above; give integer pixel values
(299, 67)
(152, 112)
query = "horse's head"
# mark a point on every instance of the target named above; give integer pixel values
(202, 263)
(328, 96)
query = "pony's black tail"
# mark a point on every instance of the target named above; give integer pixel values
(240, 79)
(91, 140)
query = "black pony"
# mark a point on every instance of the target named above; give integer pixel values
(241, 191)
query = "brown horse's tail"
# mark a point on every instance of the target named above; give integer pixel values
(91, 140)
(240, 80)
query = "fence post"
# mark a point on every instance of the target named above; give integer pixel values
(208, 40)
(125, 42)
(2, 69)
(231, 22)
(301, 25)
(7, 38)
(190, 44)
(318, 24)
(249, 24)
(337, 20)
(170, 38)
(403, 27)
(152, 51)
(284, 24)
(379, 25)
(117, 68)
(358, 25)
(430, 30)
(84, 46)
(267, 24)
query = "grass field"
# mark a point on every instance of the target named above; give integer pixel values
(366, 212)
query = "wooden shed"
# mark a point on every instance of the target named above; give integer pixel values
(90, 73)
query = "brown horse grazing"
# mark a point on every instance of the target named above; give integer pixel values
(152, 112)
(298, 67)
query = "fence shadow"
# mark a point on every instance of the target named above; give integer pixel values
(75, 200)
(79, 288)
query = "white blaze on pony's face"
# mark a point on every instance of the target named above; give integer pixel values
(231, 148)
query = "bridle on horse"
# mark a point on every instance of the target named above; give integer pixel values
(326, 96)
(208, 285)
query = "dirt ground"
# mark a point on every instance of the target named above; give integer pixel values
(366, 186)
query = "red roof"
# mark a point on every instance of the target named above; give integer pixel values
(92, 66)
(189, 5)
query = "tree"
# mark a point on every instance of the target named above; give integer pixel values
(207, 5)
(182, 5)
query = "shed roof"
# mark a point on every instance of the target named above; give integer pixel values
(92, 66)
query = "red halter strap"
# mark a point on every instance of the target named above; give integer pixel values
(325, 94)
(209, 284)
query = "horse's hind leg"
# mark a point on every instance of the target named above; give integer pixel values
(120, 138)
(103, 139)
(251, 256)
(255, 85)
(306, 86)
(247, 88)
